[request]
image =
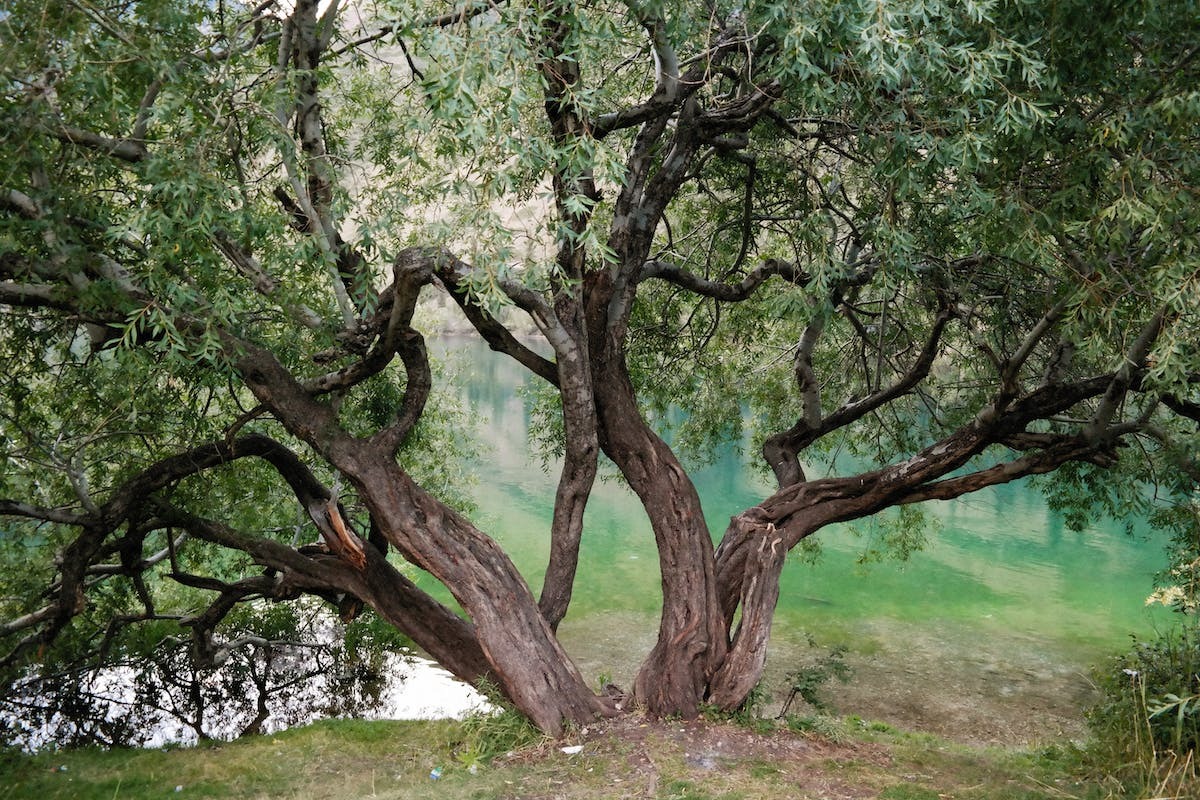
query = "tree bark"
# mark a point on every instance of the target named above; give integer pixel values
(526, 659)
(674, 677)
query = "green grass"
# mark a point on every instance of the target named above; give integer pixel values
(658, 761)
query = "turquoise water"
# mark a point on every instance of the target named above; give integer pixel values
(998, 566)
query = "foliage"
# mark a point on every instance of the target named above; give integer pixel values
(805, 682)
(930, 246)
(1147, 720)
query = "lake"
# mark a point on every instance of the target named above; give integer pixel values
(986, 635)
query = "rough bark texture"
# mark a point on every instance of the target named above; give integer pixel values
(526, 659)
(673, 679)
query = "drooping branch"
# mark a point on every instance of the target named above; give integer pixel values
(443, 634)
(454, 275)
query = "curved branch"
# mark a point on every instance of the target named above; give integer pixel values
(455, 275)
(725, 292)
(447, 637)
(782, 449)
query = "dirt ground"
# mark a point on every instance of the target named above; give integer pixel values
(978, 690)
(993, 691)
(673, 758)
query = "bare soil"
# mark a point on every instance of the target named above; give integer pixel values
(973, 695)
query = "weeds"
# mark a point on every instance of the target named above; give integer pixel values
(805, 682)
(488, 734)
(1146, 728)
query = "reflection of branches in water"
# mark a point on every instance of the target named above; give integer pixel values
(161, 696)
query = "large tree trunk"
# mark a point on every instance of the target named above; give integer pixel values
(749, 563)
(691, 644)
(526, 660)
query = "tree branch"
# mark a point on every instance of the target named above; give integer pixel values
(128, 150)
(781, 450)
(725, 292)
(1134, 359)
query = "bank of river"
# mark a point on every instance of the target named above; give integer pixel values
(986, 635)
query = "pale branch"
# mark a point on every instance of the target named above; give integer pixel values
(141, 123)
(245, 263)
(29, 620)
(1133, 359)
(313, 184)
(35, 295)
(18, 201)
(718, 290)
(1060, 362)
(310, 126)
(327, 25)
(1011, 367)
(806, 375)
(666, 62)
(669, 92)
(60, 516)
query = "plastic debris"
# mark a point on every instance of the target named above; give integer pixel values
(179, 788)
(572, 749)
(435, 773)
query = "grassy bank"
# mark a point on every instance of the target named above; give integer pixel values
(629, 758)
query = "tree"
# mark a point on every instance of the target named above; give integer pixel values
(958, 239)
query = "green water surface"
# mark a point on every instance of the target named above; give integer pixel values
(998, 565)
